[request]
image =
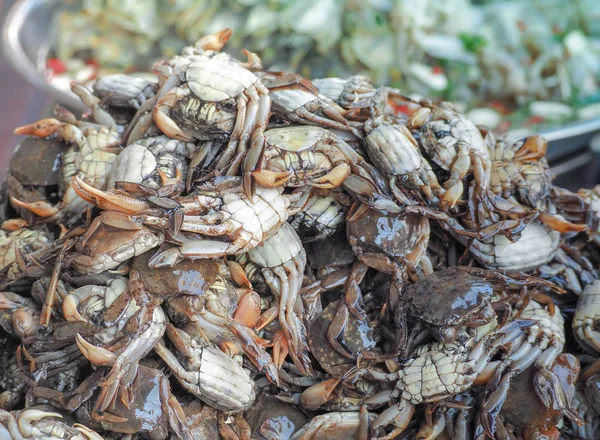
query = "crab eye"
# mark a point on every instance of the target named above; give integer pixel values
(228, 106)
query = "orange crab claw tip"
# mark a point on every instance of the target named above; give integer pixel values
(225, 34)
(42, 128)
(267, 317)
(70, 311)
(271, 179)
(91, 435)
(280, 351)
(319, 394)
(96, 355)
(14, 224)
(238, 274)
(230, 348)
(5, 303)
(248, 311)
(40, 208)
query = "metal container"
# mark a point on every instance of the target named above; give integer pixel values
(27, 39)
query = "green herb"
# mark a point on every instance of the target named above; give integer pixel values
(472, 42)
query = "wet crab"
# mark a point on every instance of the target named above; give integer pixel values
(336, 350)
(221, 210)
(303, 155)
(207, 372)
(215, 99)
(456, 297)
(453, 143)
(520, 169)
(155, 162)
(112, 239)
(345, 91)
(321, 217)
(297, 100)
(90, 157)
(281, 261)
(41, 423)
(120, 90)
(14, 248)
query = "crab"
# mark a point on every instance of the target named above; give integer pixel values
(321, 217)
(215, 99)
(536, 246)
(143, 405)
(155, 162)
(453, 143)
(15, 246)
(336, 426)
(197, 292)
(436, 371)
(121, 90)
(336, 350)
(94, 149)
(40, 423)
(281, 261)
(19, 316)
(456, 297)
(520, 169)
(345, 91)
(297, 100)
(390, 243)
(586, 317)
(525, 411)
(543, 342)
(112, 239)
(245, 221)
(396, 154)
(307, 155)
(207, 372)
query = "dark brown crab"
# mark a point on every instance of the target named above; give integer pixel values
(464, 296)
(335, 346)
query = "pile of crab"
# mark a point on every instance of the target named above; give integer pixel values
(250, 254)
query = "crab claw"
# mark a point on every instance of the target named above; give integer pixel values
(280, 349)
(96, 355)
(534, 148)
(271, 179)
(312, 398)
(7, 304)
(14, 224)
(90, 434)
(559, 224)
(248, 311)
(42, 128)
(109, 201)
(70, 312)
(253, 346)
(39, 208)
(32, 415)
(214, 41)
(267, 317)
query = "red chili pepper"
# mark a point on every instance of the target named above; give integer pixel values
(533, 120)
(92, 62)
(498, 106)
(56, 65)
(401, 108)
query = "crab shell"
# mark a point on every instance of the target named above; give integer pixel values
(448, 297)
(217, 81)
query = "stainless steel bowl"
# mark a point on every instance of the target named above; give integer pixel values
(28, 38)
